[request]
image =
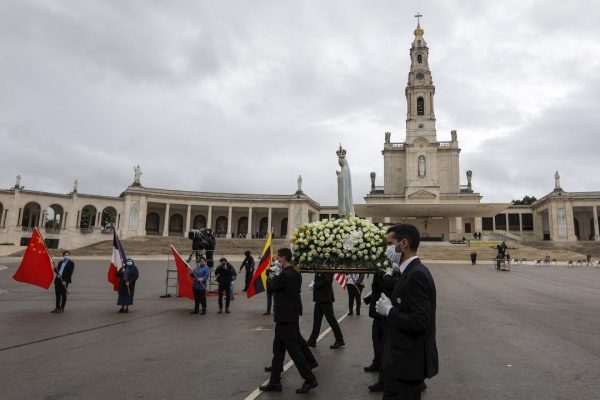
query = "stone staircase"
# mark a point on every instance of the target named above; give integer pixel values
(487, 251)
(582, 247)
(159, 245)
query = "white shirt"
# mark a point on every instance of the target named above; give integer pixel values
(405, 263)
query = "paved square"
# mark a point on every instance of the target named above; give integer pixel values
(531, 333)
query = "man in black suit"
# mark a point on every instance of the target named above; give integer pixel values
(288, 307)
(64, 272)
(323, 298)
(410, 351)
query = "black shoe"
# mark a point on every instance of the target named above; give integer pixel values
(372, 368)
(268, 369)
(126, 310)
(423, 387)
(267, 313)
(337, 344)
(203, 312)
(306, 386)
(194, 312)
(312, 343)
(122, 310)
(220, 311)
(349, 312)
(376, 387)
(313, 365)
(271, 387)
(357, 312)
(227, 311)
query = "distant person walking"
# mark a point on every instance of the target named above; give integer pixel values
(248, 264)
(473, 257)
(354, 288)
(225, 275)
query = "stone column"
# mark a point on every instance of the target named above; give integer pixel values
(99, 219)
(64, 221)
(595, 216)
(270, 221)
(570, 222)
(478, 224)
(459, 227)
(290, 221)
(507, 225)
(209, 218)
(142, 216)
(521, 224)
(166, 221)
(249, 233)
(229, 218)
(493, 223)
(41, 221)
(188, 218)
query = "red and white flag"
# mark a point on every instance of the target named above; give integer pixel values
(116, 262)
(340, 277)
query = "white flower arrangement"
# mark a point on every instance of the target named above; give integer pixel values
(352, 243)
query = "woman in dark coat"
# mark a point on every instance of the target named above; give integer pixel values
(127, 275)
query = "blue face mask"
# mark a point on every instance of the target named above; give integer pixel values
(129, 263)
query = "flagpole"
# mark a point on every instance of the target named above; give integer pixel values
(52, 261)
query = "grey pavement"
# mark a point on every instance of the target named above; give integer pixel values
(532, 333)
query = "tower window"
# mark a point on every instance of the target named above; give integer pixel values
(421, 166)
(419, 59)
(420, 106)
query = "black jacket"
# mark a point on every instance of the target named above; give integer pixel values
(225, 275)
(410, 350)
(286, 291)
(248, 263)
(323, 289)
(130, 277)
(68, 271)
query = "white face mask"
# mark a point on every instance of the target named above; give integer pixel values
(391, 254)
(66, 258)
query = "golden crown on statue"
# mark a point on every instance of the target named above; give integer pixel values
(341, 152)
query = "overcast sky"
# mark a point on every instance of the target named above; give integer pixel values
(242, 96)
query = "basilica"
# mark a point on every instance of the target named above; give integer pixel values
(421, 185)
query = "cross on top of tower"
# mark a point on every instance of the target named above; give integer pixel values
(418, 16)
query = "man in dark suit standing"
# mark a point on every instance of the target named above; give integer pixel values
(288, 307)
(323, 298)
(410, 351)
(64, 272)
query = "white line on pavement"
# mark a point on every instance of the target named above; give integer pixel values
(289, 364)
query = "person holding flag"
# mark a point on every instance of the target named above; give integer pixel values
(63, 272)
(200, 275)
(128, 275)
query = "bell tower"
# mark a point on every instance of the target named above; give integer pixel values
(420, 116)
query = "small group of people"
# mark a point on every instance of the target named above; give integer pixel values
(402, 305)
(127, 275)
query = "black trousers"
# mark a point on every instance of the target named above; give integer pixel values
(199, 298)
(325, 309)
(227, 291)
(286, 339)
(377, 330)
(353, 295)
(308, 355)
(396, 389)
(248, 279)
(269, 300)
(61, 294)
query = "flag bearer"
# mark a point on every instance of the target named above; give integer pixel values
(63, 272)
(127, 275)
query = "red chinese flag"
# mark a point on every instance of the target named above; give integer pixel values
(36, 265)
(184, 280)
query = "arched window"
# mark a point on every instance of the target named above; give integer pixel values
(221, 225)
(176, 225)
(242, 228)
(420, 106)
(419, 59)
(54, 217)
(152, 223)
(199, 222)
(263, 226)
(422, 166)
(88, 217)
(108, 219)
(284, 227)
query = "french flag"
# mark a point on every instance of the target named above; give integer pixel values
(116, 262)
(340, 277)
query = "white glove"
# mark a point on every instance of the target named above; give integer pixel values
(388, 271)
(311, 285)
(383, 305)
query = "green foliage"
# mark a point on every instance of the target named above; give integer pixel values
(525, 201)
